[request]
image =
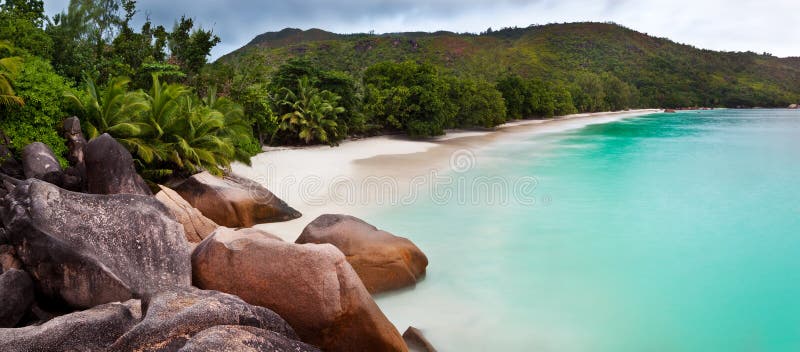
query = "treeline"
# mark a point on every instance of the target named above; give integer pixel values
(657, 71)
(300, 103)
(144, 87)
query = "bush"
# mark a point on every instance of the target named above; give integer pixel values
(39, 120)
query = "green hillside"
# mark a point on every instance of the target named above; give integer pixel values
(663, 73)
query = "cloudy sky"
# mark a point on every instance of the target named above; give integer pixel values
(734, 25)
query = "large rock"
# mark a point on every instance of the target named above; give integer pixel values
(195, 225)
(75, 176)
(383, 261)
(91, 330)
(416, 341)
(110, 169)
(16, 296)
(172, 318)
(234, 201)
(243, 338)
(84, 250)
(8, 258)
(311, 286)
(76, 142)
(39, 162)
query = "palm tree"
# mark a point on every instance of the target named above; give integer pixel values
(8, 67)
(164, 105)
(237, 128)
(312, 113)
(196, 141)
(118, 112)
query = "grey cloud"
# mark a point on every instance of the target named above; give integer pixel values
(766, 25)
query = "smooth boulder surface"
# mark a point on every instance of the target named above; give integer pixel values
(234, 201)
(311, 286)
(84, 250)
(16, 296)
(39, 162)
(172, 318)
(383, 261)
(90, 330)
(195, 225)
(243, 338)
(416, 341)
(110, 169)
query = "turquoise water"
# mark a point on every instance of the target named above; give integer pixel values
(668, 232)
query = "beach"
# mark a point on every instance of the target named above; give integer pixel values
(361, 175)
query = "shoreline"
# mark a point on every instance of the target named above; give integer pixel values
(318, 180)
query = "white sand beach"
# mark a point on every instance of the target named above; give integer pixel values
(359, 175)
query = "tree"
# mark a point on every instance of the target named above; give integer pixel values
(588, 92)
(38, 119)
(514, 91)
(479, 104)
(116, 111)
(312, 115)
(9, 66)
(189, 46)
(21, 24)
(408, 96)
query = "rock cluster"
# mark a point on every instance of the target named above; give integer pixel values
(234, 201)
(311, 286)
(383, 261)
(104, 265)
(196, 226)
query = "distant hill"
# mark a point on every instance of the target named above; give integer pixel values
(666, 73)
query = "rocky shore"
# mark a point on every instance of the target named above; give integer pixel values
(92, 260)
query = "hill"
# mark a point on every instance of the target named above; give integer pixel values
(665, 73)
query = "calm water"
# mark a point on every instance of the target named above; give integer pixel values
(669, 232)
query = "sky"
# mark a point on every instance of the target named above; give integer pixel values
(770, 26)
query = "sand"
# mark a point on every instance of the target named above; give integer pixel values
(363, 175)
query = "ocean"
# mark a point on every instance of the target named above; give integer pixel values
(665, 232)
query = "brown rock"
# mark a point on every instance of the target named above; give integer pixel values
(383, 261)
(234, 201)
(85, 249)
(311, 286)
(416, 341)
(8, 258)
(16, 295)
(90, 330)
(195, 225)
(110, 170)
(243, 338)
(172, 318)
(75, 176)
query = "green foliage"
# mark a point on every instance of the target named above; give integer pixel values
(21, 24)
(479, 104)
(115, 110)
(9, 66)
(408, 96)
(536, 98)
(191, 46)
(312, 115)
(168, 129)
(39, 118)
(657, 72)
